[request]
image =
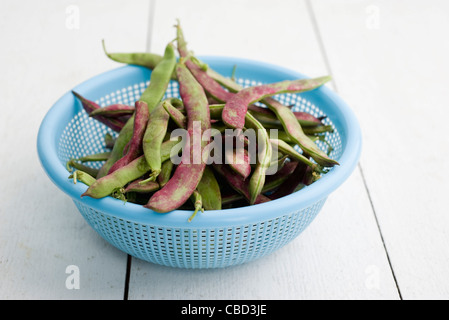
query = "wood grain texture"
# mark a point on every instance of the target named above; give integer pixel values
(41, 231)
(341, 255)
(389, 61)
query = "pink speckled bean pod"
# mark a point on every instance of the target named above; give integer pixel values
(134, 147)
(187, 174)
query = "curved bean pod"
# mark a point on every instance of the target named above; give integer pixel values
(292, 182)
(265, 115)
(153, 94)
(106, 185)
(235, 108)
(160, 78)
(209, 85)
(257, 179)
(198, 204)
(136, 186)
(296, 133)
(90, 106)
(149, 60)
(287, 149)
(135, 144)
(144, 59)
(187, 175)
(238, 184)
(153, 138)
(165, 174)
(113, 110)
(176, 115)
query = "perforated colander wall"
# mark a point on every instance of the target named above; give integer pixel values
(84, 135)
(186, 247)
(200, 248)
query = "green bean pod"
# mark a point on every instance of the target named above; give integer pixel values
(165, 174)
(175, 114)
(296, 133)
(119, 145)
(153, 138)
(257, 178)
(133, 148)
(84, 177)
(79, 166)
(153, 94)
(209, 189)
(106, 185)
(101, 156)
(109, 142)
(197, 202)
(287, 149)
(149, 60)
(113, 110)
(211, 86)
(144, 59)
(136, 186)
(160, 78)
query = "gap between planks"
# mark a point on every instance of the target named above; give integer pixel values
(151, 10)
(334, 86)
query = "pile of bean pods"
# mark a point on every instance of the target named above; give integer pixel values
(139, 165)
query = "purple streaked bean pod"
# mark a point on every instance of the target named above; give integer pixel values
(291, 183)
(235, 108)
(134, 146)
(188, 173)
(89, 106)
(136, 186)
(238, 184)
(114, 110)
(210, 86)
(176, 115)
(265, 115)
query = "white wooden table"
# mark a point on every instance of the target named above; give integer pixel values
(382, 235)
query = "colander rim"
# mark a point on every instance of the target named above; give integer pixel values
(48, 156)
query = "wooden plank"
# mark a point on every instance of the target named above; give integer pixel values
(50, 47)
(390, 62)
(341, 255)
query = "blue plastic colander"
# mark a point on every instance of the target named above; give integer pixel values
(214, 238)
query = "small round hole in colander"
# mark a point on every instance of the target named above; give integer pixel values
(214, 238)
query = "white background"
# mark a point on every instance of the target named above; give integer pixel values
(382, 235)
